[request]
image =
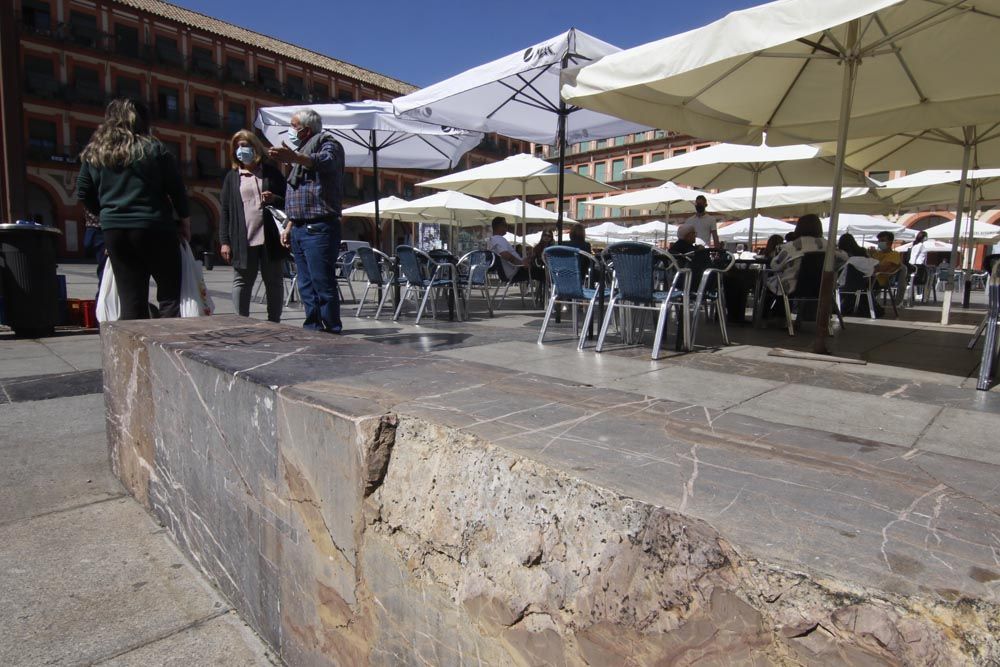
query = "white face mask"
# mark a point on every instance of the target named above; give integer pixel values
(883, 245)
(293, 137)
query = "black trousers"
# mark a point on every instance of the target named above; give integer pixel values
(136, 256)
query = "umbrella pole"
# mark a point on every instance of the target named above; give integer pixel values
(524, 221)
(563, 113)
(378, 221)
(666, 227)
(946, 305)
(753, 207)
(828, 283)
(967, 292)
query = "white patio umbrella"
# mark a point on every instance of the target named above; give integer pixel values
(806, 71)
(762, 226)
(452, 208)
(966, 148)
(942, 186)
(372, 135)
(528, 212)
(653, 230)
(930, 245)
(385, 208)
(977, 231)
(606, 231)
(519, 175)
(725, 166)
(518, 96)
(660, 200)
(785, 200)
(860, 224)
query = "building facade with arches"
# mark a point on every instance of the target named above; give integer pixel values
(202, 79)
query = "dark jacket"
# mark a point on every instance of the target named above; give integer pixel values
(233, 226)
(141, 195)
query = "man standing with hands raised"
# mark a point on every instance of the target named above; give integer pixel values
(313, 204)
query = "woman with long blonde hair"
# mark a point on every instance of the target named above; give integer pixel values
(131, 182)
(248, 236)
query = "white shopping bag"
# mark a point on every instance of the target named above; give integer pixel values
(195, 300)
(108, 305)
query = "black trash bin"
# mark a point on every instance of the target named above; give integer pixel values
(28, 276)
(208, 260)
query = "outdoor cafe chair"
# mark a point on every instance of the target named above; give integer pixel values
(865, 285)
(707, 289)
(345, 266)
(807, 284)
(378, 271)
(895, 280)
(567, 277)
(426, 279)
(473, 274)
(633, 288)
(924, 278)
(989, 326)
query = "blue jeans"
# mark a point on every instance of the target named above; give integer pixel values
(315, 247)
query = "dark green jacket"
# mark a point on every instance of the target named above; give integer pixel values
(141, 195)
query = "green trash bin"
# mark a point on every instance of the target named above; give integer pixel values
(28, 276)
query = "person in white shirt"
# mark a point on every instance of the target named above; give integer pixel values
(704, 224)
(515, 267)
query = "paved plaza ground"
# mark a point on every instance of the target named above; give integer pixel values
(91, 578)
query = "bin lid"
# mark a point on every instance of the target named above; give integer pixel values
(8, 227)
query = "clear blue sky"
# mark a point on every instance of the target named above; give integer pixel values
(422, 42)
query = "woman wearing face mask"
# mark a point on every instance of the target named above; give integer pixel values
(248, 234)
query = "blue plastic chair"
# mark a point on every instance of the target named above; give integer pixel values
(473, 273)
(417, 278)
(566, 277)
(378, 270)
(345, 266)
(633, 289)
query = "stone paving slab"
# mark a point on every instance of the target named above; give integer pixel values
(887, 420)
(53, 463)
(81, 584)
(964, 434)
(223, 641)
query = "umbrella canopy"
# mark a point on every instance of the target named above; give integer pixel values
(516, 176)
(607, 230)
(790, 200)
(930, 245)
(661, 199)
(778, 68)
(724, 166)
(369, 131)
(652, 230)
(806, 71)
(860, 224)
(518, 96)
(763, 227)
(453, 208)
(940, 186)
(532, 213)
(372, 135)
(979, 231)
(734, 165)
(388, 207)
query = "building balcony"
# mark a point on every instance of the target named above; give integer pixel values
(169, 57)
(206, 118)
(204, 67)
(169, 115)
(45, 151)
(272, 86)
(43, 85)
(87, 94)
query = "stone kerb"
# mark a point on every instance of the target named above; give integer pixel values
(320, 486)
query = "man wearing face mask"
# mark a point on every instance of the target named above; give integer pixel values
(248, 236)
(313, 203)
(889, 260)
(703, 223)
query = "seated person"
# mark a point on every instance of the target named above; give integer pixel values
(537, 258)
(774, 242)
(513, 267)
(889, 260)
(685, 243)
(855, 277)
(808, 237)
(578, 238)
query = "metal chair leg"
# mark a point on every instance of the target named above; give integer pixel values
(586, 323)
(545, 321)
(608, 314)
(385, 297)
(364, 296)
(402, 300)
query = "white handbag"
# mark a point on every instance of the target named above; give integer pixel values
(195, 299)
(108, 305)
